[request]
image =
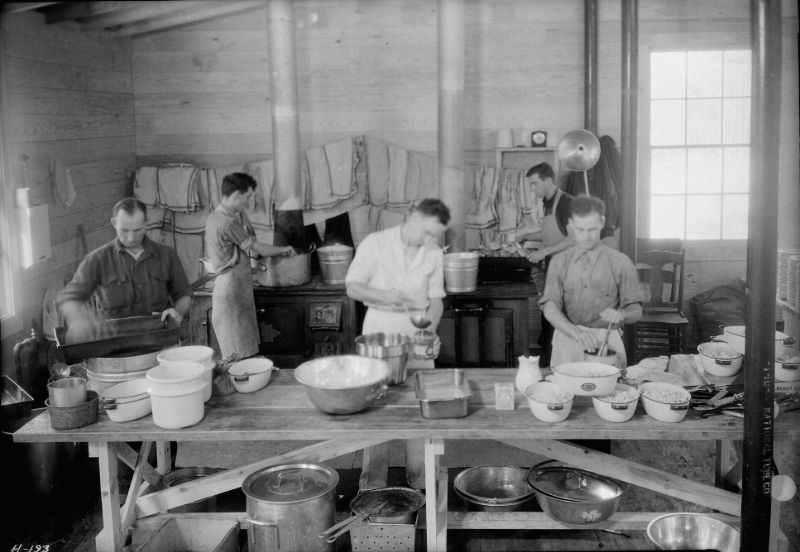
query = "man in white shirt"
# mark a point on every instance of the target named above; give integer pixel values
(394, 272)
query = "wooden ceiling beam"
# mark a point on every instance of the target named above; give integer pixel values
(18, 7)
(142, 12)
(68, 11)
(187, 16)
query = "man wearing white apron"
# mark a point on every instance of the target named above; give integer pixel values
(553, 235)
(589, 287)
(395, 271)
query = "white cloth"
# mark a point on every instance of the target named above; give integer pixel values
(380, 262)
(145, 186)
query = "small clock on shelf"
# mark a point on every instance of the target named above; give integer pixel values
(539, 138)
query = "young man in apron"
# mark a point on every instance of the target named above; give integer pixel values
(589, 287)
(395, 271)
(229, 240)
(554, 236)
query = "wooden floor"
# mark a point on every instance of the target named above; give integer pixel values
(65, 514)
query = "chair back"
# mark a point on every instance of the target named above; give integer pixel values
(661, 275)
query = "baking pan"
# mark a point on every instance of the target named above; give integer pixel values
(442, 393)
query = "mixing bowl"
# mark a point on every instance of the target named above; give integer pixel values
(394, 348)
(493, 488)
(343, 384)
(695, 531)
(574, 496)
(586, 378)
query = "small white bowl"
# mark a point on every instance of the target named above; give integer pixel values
(787, 367)
(617, 406)
(586, 378)
(665, 402)
(549, 402)
(250, 374)
(719, 359)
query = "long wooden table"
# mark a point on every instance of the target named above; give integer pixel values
(282, 411)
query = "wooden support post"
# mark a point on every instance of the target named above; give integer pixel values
(451, 117)
(283, 96)
(629, 145)
(436, 498)
(590, 65)
(110, 539)
(163, 457)
(759, 378)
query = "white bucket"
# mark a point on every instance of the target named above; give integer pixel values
(334, 261)
(176, 394)
(192, 353)
(461, 272)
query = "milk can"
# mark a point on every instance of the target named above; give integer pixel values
(288, 506)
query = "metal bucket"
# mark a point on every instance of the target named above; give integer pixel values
(461, 272)
(288, 506)
(334, 261)
(184, 475)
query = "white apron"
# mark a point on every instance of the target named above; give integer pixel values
(566, 349)
(375, 463)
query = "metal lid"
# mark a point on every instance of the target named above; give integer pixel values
(290, 483)
(573, 484)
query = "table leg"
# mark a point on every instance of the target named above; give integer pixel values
(163, 457)
(110, 539)
(435, 499)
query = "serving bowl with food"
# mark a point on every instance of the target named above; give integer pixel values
(548, 401)
(619, 405)
(665, 402)
(719, 359)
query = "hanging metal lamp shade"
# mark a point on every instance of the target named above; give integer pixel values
(579, 150)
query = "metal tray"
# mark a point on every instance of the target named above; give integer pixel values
(16, 402)
(122, 336)
(442, 393)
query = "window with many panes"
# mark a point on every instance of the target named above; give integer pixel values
(699, 150)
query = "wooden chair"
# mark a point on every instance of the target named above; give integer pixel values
(662, 329)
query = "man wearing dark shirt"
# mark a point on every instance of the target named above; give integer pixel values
(131, 275)
(553, 235)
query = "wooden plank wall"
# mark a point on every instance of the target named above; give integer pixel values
(69, 98)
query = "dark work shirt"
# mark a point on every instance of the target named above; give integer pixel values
(122, 286)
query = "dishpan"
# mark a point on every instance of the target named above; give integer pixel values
(442, 393)
(71, 417)
(493, 488)
(126, 401)
(250, 374)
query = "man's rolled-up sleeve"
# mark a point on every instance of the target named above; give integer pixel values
(436, 281)
(630, 290)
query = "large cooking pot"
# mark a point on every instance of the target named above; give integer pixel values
(392, 505)
(284, 271)
(288, 506)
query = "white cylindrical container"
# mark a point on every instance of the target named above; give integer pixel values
(176, 394)
(461, 272)
(191, 353)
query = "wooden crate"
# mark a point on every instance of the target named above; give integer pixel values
(193, 534)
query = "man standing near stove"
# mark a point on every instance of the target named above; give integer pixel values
(554, 236)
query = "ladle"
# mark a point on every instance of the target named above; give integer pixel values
(420, 321)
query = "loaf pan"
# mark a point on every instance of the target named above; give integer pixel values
(442, 393)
